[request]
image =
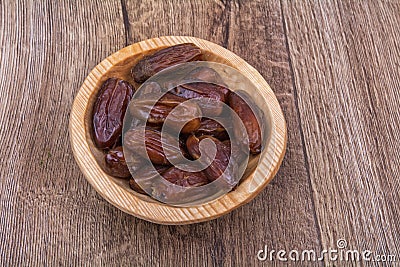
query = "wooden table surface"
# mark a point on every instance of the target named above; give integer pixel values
(334, 66)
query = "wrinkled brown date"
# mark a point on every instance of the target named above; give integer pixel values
(147, 175)
(205, 74)
(182, 145)
(150, 87)
(143, 108)
(202, 89)
(249, 120)
(213, 128)
(185, 178)
(115, 163)
(134, 140)
(219, 163)
(152, 108)
(134, 186)
(211, 96)
(163, 59)
(192, 145)
(227, 143)
(109, 111)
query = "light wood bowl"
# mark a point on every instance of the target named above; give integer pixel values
(117, 191)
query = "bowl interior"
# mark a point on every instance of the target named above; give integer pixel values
(122, 69)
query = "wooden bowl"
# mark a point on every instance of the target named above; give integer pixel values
(117, 191)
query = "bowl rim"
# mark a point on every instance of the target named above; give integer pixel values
(159, 212)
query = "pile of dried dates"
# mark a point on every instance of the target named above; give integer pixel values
(112, 103)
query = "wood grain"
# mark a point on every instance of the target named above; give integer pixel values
(345, 63)
(345, 58)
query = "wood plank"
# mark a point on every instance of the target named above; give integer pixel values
(256, 33)
(345, 57)
(49, 213)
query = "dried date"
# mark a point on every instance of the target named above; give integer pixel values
(211, 95)
(150, 87)
(249, 120)
(185, 178)
(227, 143)
(155, 149)
(202, 89)
(213, 128)
(116, 164)
(156, 114)
(205, 74)
(135, 187)
(153, 108)
(218, 164)
(164, 58)
(109, 111)
(147, 174)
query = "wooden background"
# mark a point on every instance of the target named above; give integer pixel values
(334, 66)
